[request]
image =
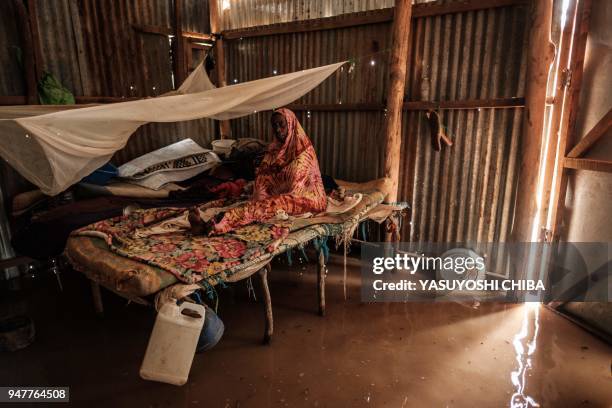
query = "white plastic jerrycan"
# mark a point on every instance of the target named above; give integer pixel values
(173, 343)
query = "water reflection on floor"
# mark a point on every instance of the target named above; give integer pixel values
(525, 343)
(360, 355)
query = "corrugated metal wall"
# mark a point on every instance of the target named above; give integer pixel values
(117, 60)
(92, 47)
(11, 74)
(196, 17)
(250, 13)
(464, 193)
(339, 137)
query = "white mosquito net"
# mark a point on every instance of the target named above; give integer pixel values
(56, 146)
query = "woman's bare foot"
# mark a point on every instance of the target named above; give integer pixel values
(199, 227)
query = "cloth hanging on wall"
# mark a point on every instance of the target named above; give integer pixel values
(55, 150)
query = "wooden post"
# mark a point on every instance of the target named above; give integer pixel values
(215, 27)
(269, 329)
(29, 61)
(539, 59)
(321, 270)
(395, 93)
(97, 298)
(567, 132)
(179, 57)
(35, 39)
(558, 102)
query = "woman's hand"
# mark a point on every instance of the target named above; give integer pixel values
(229, 189)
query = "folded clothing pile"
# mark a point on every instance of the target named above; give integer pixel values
(177, 162)
(245, 157)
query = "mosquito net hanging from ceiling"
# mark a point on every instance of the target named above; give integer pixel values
(55, 146)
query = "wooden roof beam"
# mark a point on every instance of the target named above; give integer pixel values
(588, 164)
(593, 136)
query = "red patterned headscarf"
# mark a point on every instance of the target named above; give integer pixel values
(291, 167)
(280, 154)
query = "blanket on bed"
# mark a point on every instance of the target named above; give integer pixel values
(190, 258)
(107, 251)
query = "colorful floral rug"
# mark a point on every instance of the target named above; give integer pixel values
(190, 258)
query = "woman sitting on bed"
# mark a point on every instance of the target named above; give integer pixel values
(288, 179)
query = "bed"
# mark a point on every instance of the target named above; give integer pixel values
(145, 283)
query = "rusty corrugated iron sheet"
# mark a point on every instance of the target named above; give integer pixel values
(250, 13)
(62, 55)
(196, 17)
(360, 81)
(347, 143)
(466, 192)
(119, 60)
(92, 47)
(12, 78)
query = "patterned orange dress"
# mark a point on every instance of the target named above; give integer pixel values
(288, 179)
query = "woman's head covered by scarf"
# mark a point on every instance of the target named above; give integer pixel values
(283, 152)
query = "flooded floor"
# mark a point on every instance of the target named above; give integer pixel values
(359, 355)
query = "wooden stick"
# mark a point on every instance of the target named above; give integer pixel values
(179, 60)
(97, 298)
(494, 103)
(225, 129)
(167, 31)
(269, 328)
(151, 29)
(588, 164)
(198, 36)
(593, 136)
(437, 8)
(321, 282)
(466, 104)
(446, 139)
(539, 59)
(395, 93)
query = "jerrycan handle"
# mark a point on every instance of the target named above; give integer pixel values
(186, 310)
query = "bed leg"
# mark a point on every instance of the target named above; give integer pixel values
(97, 298)
(321, 283)
(263, 273)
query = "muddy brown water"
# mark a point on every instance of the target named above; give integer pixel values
(359, 355)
